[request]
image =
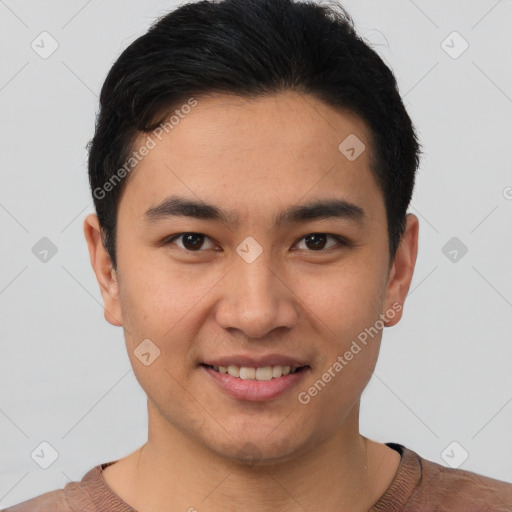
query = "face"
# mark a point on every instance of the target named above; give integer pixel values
(261, 275)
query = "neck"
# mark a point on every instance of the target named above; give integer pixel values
(172, 471)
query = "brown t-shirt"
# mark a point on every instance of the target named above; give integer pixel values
(419, 486)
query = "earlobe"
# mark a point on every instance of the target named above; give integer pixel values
(103, 269)
(402, 270)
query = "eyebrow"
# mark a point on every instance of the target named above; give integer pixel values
(320, 209)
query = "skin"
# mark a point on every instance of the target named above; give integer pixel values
(254, 158)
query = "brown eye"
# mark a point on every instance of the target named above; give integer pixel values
(317, 241)
(190, 241)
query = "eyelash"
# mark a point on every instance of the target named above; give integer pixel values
(341, 241)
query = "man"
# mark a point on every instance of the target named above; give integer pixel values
(251, 170)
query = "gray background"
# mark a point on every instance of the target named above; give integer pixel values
(444, 370)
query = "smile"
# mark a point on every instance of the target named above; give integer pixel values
(260, 373)
(255, 384)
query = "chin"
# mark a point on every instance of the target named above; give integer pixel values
(251, 449)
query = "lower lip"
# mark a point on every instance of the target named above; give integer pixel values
(255, 390)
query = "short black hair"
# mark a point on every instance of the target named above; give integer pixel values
(251, 48)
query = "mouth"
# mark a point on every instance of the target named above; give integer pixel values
(261, 373)
(255, 384)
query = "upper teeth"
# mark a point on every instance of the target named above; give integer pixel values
(261, 373)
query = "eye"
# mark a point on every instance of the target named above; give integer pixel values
(191, 241)
(317, 241)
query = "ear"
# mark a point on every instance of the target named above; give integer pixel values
(401, 272)
(105, 273)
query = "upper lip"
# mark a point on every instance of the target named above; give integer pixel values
(255, 361)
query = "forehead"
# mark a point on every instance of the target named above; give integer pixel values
(255, 154)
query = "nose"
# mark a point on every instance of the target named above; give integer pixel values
(256, 299)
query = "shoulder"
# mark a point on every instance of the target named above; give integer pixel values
(451, 489)
(74, 497)
(53, 501)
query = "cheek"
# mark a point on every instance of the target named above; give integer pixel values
(349, 358)
(168, 308)
(155, 314)
(341, 300)
(344, 306)
(155, 299)
(332, 394)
